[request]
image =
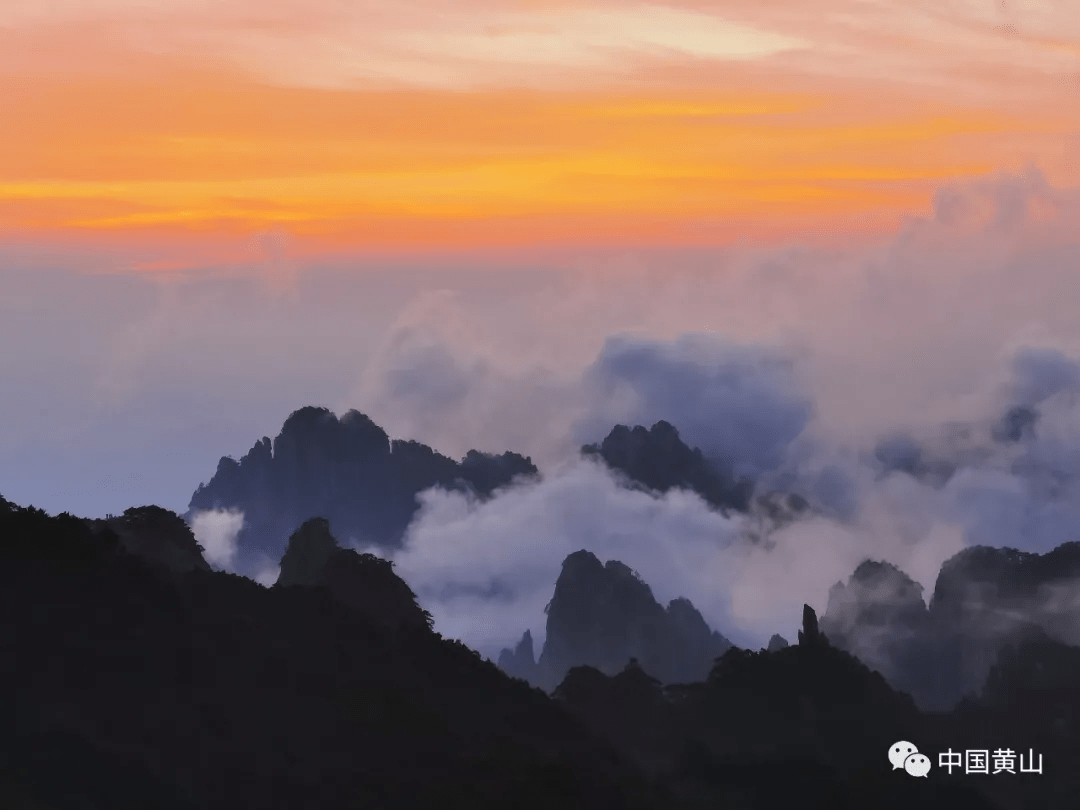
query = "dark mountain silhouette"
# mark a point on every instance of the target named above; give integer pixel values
(158, 536)
(346, 470)
(1029, 704)
(987, 598)
(630, 708)
(811, 635)
(880, 617)
(521, 661)
(981, 582)
(984, 600)
(802, 726)
(777, 642)
(309, 550)
(659, 460)
(363, 582)
(877, 595)
(130, 685)
(127, 686)
(602, 615)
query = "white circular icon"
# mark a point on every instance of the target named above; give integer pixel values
(917, 764)
(899, 752)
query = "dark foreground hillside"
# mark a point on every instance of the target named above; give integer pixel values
(130, 686)
(132, 681)
(809, 726)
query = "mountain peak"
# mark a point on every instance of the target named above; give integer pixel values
(603, 614)
(362, 581)
(346, 470)
(658, 459)
(777, 642)
(810, 635)
(310, 548)
(521, 661)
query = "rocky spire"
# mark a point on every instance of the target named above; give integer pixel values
(810, 635)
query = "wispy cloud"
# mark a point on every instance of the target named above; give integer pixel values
(216, 530)
(485, 569)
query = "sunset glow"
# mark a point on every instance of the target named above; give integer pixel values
(505, 123)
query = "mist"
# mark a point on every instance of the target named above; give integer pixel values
(485, 569)
(923, 399)
(919, 392)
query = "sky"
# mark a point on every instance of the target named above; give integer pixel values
(170, 135)
(795, 230)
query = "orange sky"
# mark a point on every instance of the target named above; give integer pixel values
(188, 128)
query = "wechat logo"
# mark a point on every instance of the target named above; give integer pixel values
(905, 755)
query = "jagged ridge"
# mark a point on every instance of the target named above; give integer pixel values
(347, 471)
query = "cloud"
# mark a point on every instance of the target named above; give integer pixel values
(1011, 477)
(486, 42)
(880, 383)
(998, 487)
(486, 570)
(460, 379)
(1040, 373)
(933, 336)
(216, 530)
(859, 340)
(740, 404)
(1057, 608)
(447, 47)
(447, 377)
(266, 573)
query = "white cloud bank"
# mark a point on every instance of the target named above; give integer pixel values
(216, 531)
(486, 569)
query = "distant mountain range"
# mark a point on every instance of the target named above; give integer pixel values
(148, 681)
(985, 600)
(657, 459)
(351, 473)
(347, 471)
(602, 615)
(138, 677)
